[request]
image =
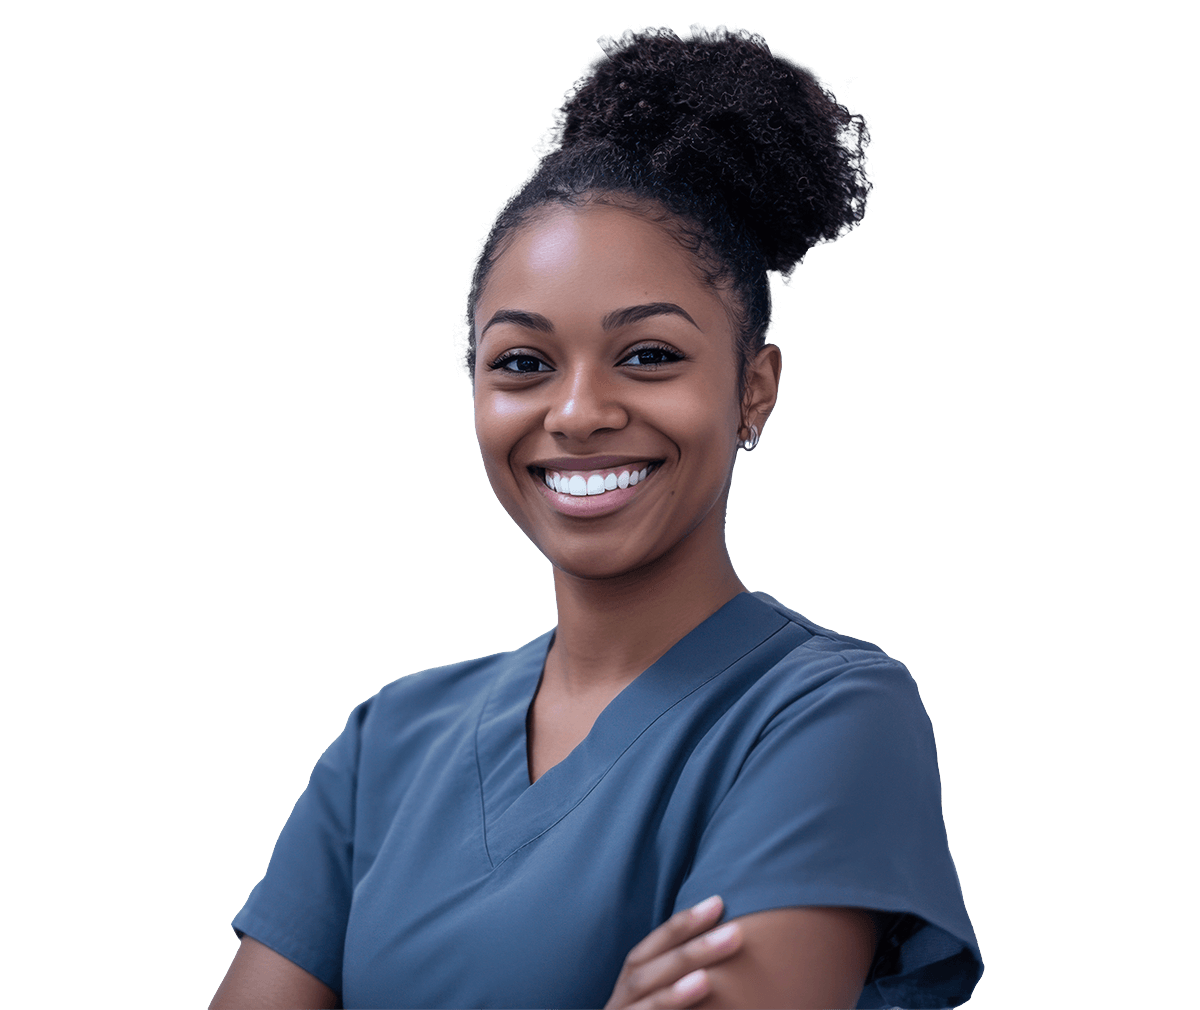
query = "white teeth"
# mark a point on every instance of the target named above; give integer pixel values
(579, 486)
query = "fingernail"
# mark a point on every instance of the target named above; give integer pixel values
(690, 983)
(723, 935)
(707, 906)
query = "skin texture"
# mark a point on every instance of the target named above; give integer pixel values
(796, 957)
(260, 978)
(792, 957)
(661, 388)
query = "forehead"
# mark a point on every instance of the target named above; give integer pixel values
(585, 261)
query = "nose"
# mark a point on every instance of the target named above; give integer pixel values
(585, 405)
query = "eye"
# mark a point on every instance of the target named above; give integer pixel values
(517, 361)
(652, 355)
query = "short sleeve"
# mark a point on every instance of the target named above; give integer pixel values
(838, 803)
(300, 908)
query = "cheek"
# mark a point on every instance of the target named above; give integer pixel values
(500, 422)
(707, 417)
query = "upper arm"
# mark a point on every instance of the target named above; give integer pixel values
(796, 957)
(260, 978)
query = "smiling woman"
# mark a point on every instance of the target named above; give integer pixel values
(567, 824)
(605, 352)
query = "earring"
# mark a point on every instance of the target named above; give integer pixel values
(749, 443)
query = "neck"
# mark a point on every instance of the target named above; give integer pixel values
(610, 630)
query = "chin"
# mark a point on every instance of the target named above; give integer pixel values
(595, 563)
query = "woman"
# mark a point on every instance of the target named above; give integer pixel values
(567, 824)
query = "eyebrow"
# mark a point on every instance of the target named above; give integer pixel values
(613, 321)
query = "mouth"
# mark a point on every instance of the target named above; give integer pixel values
(596, 481)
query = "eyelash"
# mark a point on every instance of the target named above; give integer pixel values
(671, 355)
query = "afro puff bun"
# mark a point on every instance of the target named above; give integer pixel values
(752, 159)
(719, 113)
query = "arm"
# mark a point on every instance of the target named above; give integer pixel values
(261, 979)
(796, 957)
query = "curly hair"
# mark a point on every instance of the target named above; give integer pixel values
(743, 155)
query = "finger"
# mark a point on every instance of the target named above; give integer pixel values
(670, 968)
(677, 930)
(690, 989)
(679, 978)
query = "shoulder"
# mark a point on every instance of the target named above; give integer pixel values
(443, 690)
(832, 696)
(424, 719)
(825, 663)
(827, 640)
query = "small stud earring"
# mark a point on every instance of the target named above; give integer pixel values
(749, 443)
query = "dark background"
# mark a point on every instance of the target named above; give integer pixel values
(339, 530)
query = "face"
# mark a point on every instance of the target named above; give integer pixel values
(606, 391)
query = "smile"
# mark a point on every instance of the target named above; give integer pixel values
(581, 483)
(588, 494)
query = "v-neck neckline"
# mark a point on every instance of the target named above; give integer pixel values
(515, 810)
(559, 721)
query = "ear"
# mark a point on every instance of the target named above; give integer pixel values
(761, 387)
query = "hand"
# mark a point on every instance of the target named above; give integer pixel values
(667, 969)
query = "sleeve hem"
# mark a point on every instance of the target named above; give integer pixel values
(286, 943)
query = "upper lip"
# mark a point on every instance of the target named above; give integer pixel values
(588, 462)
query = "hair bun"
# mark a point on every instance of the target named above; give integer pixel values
(720, 115)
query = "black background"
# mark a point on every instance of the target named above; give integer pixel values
(339, 530)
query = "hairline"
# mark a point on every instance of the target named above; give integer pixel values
(710, 269)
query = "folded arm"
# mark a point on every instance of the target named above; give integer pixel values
(796, 957)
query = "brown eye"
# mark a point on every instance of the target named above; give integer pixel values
(523, 363)
(652, 356)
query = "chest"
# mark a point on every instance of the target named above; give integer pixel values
(558, 723)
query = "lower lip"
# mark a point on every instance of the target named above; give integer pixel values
(591, 505)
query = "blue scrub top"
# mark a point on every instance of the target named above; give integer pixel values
(763, 759)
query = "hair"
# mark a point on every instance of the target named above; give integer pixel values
(744, 156)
